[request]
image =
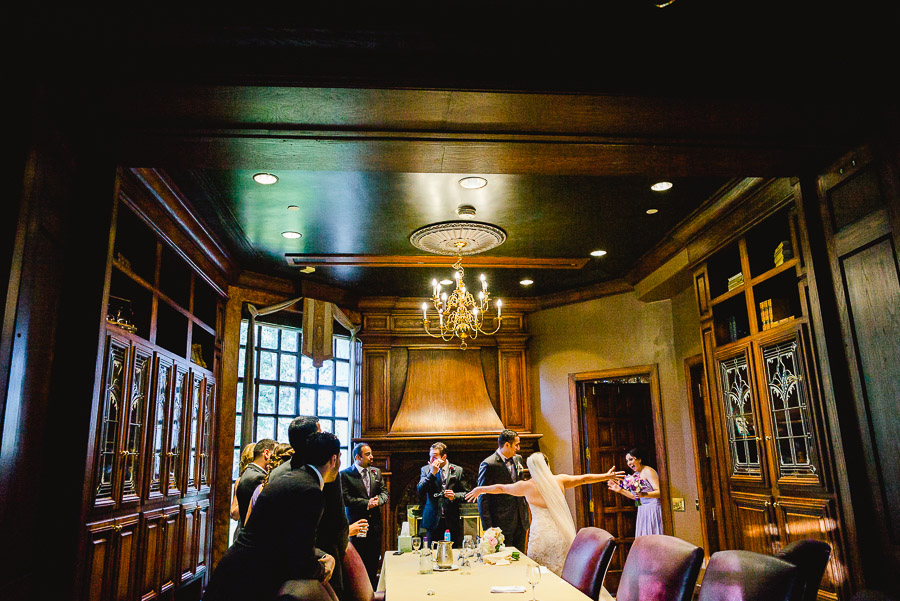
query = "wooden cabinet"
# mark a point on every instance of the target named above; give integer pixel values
(767, 431)
(153, 423)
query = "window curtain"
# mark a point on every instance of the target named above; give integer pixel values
(316, 343)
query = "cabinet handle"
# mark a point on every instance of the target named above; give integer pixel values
(127, 453)
(171, 454)
(768, 438)
(117, 527)
(775, 504)
(202, 455)
(768, 503)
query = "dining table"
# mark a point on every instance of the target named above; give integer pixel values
(401, 581)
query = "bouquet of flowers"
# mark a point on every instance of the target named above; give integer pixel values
(633, 484)
(491, 540)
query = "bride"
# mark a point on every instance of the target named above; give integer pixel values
(552, 527)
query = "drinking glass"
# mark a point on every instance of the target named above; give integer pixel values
(416, 543)
(478, 554)
(534, 576)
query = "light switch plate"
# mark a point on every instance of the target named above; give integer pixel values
(677, 504)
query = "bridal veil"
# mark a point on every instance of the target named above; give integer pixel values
(553, 495)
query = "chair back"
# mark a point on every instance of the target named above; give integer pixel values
(660, 568)
(357, 586)
(305, 590)
(588, 560)
(749, 576)
(811, 558)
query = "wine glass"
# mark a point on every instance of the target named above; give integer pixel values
(478, 557)
(534, 576)
(416, 543)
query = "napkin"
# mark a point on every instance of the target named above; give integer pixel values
(507, 589)
(500, 558)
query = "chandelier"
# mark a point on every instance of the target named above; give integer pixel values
(460, 313)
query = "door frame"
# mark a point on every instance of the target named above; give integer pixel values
(577, 414)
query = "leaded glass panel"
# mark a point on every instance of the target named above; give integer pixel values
(140, 376)
(740, 416)
(174, 454)
(790, 411)
(163, 380)
(205, 447)
(195, 426)
(109, 423)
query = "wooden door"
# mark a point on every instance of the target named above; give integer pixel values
(206, 433)
(175, 454)
(860, 212)
(149, 565)
(169, 553)
(134, 417)
(707, 483)
(811, 517)
(188, 551)
(193, 431)
(617, 417)
(111, 554)
(107, 474)
(159, 423)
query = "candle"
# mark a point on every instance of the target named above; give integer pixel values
(499, 303)
(483, 282)
(425, 311)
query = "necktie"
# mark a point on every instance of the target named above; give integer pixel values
(366, 481)
(511, 466)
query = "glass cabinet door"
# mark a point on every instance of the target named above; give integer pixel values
(110, 418)
(174, 455)
(134, 415)
(788, 406)
(741, 421)
(209, 395)
(193, 451)
(159, 421)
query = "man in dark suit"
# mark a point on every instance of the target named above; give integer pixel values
(440, 482)
(333, 532)
(252, 477)
(509, 513)
(278, 542)
(364, 494)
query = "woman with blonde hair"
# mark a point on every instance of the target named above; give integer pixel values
(552, 527)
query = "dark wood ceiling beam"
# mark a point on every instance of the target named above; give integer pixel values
(300, 260)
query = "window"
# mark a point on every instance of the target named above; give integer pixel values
(289, 385)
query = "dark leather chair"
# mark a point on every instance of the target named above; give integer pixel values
(749, 576)
(660, 568)
(305, 590)
(588, 560)
(357, 586)
(811, 558)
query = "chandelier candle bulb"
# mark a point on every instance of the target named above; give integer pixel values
(424, 310)
(499, 303)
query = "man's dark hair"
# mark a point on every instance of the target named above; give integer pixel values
(299, 430)
(440, 447)
(266, 444)
(507, 436)
(321, 447)
(357, 449)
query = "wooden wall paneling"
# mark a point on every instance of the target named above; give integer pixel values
(99, 551)
(812, 518)
(169, 550)
(858, 209)
(376, 400)
(399, 370)
(149, 563)
(515, 408)
(202, 537)
(187, 553)
(701, 290)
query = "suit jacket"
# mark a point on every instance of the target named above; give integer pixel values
(501, 510)
(332, 535)
(436, 504)
(280, 536)
(356, 499)
(252, 476)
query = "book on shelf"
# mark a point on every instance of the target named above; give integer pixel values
(735, 281)
(774, 311)
(732, 328)
(783, 252)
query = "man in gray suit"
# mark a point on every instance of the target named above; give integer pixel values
(509, 513)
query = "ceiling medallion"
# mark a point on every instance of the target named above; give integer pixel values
(458, 238)
(459, 314)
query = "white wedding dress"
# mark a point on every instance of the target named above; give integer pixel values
(546, 544)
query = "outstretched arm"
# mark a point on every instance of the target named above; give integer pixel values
(569, 481)
(516, 489)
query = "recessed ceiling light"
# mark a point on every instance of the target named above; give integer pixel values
(661, 186)
(598, 253)
(652, 211)
(266, 179)
(293, 208)
(527, 282)
(472, 183)
(446, 282)
(291, 235)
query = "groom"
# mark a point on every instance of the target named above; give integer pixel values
(509, 513)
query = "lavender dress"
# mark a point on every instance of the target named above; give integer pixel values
(649, 514)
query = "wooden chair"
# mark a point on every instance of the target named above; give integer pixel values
(749, 576)
(660, 568)
(588, 560)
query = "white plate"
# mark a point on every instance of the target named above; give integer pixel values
(450, 569)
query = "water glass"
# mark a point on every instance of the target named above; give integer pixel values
(465, 561)
(534, 576)
(416, 543)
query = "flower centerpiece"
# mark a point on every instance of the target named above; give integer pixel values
(491, 540)
(633, 484)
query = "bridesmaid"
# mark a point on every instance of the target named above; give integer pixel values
(649, 512)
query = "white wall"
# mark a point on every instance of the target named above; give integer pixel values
(614, 332)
